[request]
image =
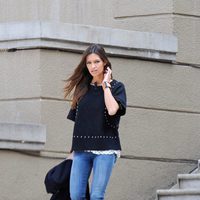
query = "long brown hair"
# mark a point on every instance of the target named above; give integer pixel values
(77, 84)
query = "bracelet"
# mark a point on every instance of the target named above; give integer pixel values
(107, 85)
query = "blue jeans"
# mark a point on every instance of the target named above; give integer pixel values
(83, 163)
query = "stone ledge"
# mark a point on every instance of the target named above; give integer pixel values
(75, 37)
(22, 136)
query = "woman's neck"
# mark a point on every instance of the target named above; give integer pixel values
(97, 81)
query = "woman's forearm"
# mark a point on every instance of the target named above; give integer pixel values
(110, 102)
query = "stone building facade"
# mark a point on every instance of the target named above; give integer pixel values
(154, 47)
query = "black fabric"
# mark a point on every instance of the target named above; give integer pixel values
(57, 181)
(119, 94)
(94, 128)
(72, 114)
(60, 195)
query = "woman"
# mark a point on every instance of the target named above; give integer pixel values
(98, 101)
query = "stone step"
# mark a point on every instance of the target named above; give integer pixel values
(187, 187)
(178, 194)
(189, 181)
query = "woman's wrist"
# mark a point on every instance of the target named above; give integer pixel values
(106, 85)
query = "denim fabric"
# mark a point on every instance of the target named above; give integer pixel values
(83, 164)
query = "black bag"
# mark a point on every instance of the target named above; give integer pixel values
(57, 181)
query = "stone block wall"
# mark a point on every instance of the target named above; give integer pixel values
(159, 133)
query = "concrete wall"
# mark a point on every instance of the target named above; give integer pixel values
(180, 17)
(158, 134)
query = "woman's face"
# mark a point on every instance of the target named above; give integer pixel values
(95, 65)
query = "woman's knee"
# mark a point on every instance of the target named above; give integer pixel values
(77, 196)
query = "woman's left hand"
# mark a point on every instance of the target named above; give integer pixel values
(107, 75)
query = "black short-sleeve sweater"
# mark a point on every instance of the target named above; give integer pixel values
(94, 128)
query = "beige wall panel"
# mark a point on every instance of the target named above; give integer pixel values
(157, 23)
(99, 13)
(129, 180)
(164, 134)
(159, 85)
(191, 7)
(90, 12)
(148, 84)
(18, 10)
(187, 30)
(50, 9)
(143, 132)
(138, 180)
(135, 8)
(47, 112)
(20, 111)
(20, 75)
(56, 66)
(59, 129)
(24, 175)
(93, 12)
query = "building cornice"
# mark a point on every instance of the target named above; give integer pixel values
(76, 37)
